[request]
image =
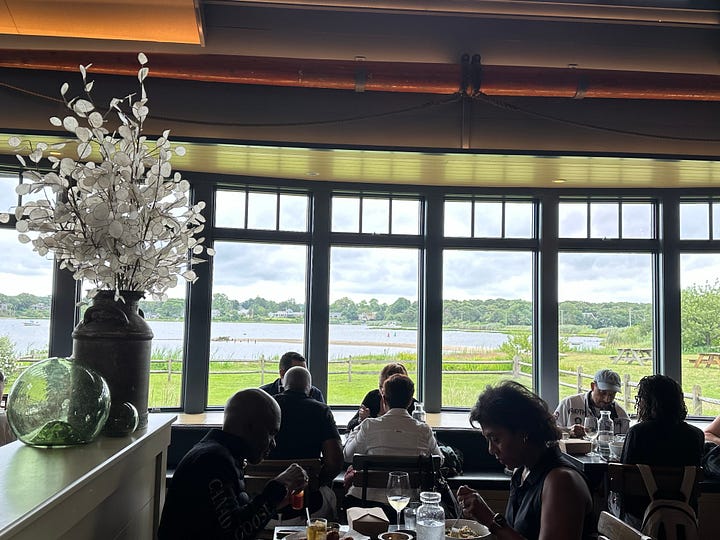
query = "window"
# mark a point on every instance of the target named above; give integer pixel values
(700, 319)
(586, 218)
(258, 313)
(487, 322)
(375, 215)
(25, 299)
(258, 287)
(605, 319)
(609, 254)
(482, 218)
(261, 210)
(373, 318)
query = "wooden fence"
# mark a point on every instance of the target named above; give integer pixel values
(345, 367)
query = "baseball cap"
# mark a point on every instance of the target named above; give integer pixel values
(607, 379)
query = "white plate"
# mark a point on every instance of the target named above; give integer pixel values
(481, 530)
(302, 535)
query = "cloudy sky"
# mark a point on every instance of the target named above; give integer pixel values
(278, 272)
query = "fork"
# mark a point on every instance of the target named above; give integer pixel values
(458, 511)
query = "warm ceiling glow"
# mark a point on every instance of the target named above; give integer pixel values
(163, 21)
(427, 168)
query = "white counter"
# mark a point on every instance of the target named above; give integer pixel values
(112, 488)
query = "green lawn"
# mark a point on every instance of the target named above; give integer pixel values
(459, 389)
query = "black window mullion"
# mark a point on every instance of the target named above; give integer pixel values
(247, 206)
(277, 211)
(390, 212)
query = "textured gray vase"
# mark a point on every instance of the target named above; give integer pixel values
(115, 340)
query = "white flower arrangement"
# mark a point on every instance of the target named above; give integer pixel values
(123, 223)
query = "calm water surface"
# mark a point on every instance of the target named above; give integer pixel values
(250, 340)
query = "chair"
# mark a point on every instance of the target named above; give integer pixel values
(626, 481)
(612, 528)
(256, 476)
(371, 471)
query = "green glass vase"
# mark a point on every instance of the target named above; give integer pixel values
(58, 403)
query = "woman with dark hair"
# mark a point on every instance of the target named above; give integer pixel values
(661, 436)
(372, 404)
(549, 496)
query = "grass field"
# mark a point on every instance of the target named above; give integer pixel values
(459, 389)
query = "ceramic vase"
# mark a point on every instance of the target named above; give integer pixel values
(114, 339)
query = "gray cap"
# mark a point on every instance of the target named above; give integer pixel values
(607, 379)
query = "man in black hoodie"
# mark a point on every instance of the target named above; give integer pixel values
(207, 497)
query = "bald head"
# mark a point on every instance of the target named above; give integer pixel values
(298, 379)
(253, 416)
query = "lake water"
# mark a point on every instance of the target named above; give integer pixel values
(250, 340)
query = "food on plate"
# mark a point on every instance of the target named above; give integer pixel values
(462, 532)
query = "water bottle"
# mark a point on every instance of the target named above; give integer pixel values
(606, 432)
(430, 519)
(419, 412)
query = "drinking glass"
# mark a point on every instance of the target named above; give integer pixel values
(410, 514)
(317, 529)
(591, 431)
(398, 492)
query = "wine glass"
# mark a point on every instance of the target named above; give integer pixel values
(398, 492)
(591, 431)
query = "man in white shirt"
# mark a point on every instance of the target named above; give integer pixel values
(571, 411)
(395, 433)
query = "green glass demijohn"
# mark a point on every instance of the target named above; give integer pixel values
(57, 402)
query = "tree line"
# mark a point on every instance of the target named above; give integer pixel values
(700, 312)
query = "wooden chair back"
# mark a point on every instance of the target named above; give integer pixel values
(256, 476)
(612, 528)
(372, 471)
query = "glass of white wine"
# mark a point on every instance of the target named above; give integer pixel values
(398, 492)
(591, 431)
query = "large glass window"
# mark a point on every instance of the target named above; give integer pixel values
(700, 282)
(605, 318)
(258, 313)
(487, 322)
(608, 255)
(25, 299)
(373, 318)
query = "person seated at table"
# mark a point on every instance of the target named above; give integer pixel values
(6, 434)
(571, 411)
(207, 497)
(711, 452)
(395, 433)
(308, 430)
(288, 360)
(661, 437)
(372, 404)
(549, 495)
(712, 432)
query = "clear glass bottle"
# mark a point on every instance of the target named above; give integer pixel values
(419, 412)
(605, 434)
(430, 520)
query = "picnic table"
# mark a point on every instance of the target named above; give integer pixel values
(632, 354)
(707, 358)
